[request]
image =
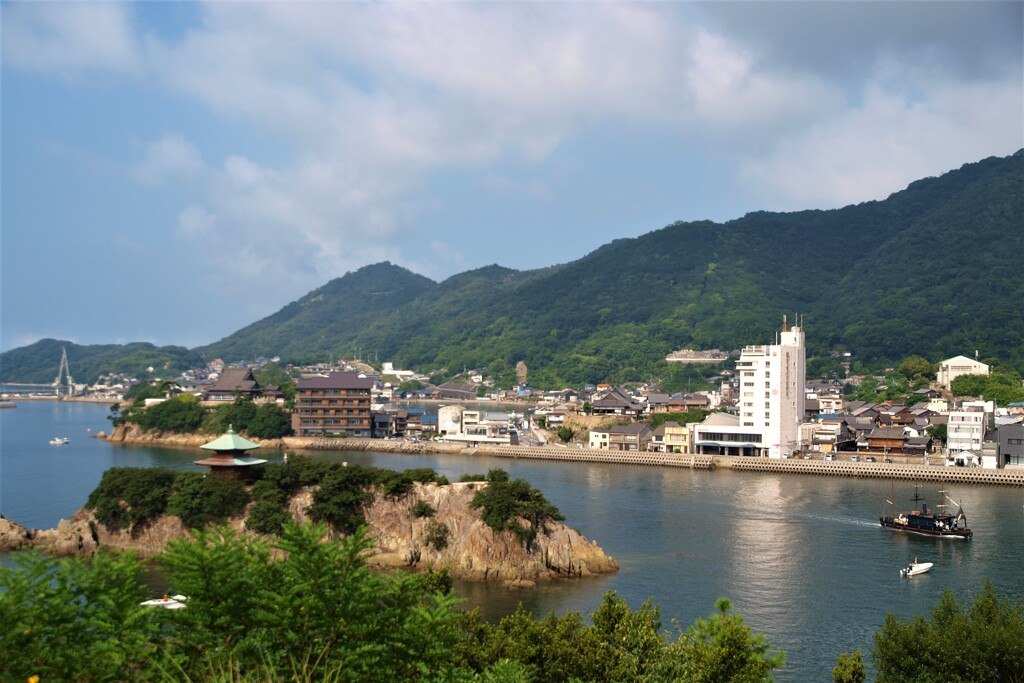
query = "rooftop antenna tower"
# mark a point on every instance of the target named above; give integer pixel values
(62, 390)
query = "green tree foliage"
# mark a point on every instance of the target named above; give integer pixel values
(565, 434)
(409, 386)
(824, 367)
(915, 366)
(317, 611)
(270, 422)
(68, 620)
(939, 431)
(438, 534)
(892, 386)
(1002, 386)
(422, 508)
(344, 491)
(722, 648)
(127, 496)
(200, 499)
(276, 485)
(969, 385)
(304, 609)
(271, 375)
(504, 503)
(263, 421)
(977, 643)
(181, 415)
(849, 668)
(620, 645)
(140, 391)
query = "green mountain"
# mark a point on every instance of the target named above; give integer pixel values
(323, 325)
(39, 363)
(933, 270)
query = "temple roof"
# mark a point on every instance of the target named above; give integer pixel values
(230, 442)
(230, 461)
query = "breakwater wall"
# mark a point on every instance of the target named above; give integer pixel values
(939, 473)
(837, 468)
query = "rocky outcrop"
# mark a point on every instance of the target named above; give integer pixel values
(454, 537)
(132, 433)
(12, 536)
(473, 550)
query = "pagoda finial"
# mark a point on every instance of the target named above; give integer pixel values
(231, 429)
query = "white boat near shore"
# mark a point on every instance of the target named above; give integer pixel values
(915, 568)
(60, 441)
(167, 602)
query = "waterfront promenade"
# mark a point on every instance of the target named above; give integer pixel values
(841, 468)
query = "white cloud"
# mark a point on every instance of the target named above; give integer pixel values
(171, 158)
(364, 101)
(893, 138)
(729, 88)
(69, 37)
(196, 223)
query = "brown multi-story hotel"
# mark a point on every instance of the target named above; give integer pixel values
(336, 404)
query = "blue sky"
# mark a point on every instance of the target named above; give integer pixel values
(174, 171)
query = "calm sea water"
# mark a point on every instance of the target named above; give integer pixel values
(802, 558)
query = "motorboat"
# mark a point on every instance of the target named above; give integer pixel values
(60, 441)
(167, 602)
(915, 568)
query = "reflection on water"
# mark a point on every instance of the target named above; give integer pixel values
(802, 558)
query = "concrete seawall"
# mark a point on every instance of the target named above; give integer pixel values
(972, 475)
(837, 468)
(963, 475)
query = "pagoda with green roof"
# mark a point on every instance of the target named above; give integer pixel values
(229, 460)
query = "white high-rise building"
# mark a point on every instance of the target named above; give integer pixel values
(772, 381)
(771, 402)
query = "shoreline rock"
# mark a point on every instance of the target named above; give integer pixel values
(472, 551)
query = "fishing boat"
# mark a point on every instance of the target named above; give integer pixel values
(915, 568)
(59, 441)
(925, 522)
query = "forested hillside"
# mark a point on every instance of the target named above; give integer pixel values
(39, 363)
(933, 270)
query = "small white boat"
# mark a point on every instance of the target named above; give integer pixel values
(167, 602)
(59, 441)
(915, 568)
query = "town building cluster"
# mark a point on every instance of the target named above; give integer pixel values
(765, 408)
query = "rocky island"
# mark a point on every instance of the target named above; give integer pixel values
(430, 525)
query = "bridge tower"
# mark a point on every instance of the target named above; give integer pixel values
(64, 389)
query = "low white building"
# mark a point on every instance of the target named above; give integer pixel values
(954, 367)
(455, 423)
(599, 438)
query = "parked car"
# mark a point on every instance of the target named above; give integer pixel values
(888, 459)
(870, 458)
(830, 457)
(855, 458)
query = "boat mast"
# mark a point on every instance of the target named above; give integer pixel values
(917, 497)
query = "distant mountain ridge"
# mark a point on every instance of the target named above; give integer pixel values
(934, 269)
